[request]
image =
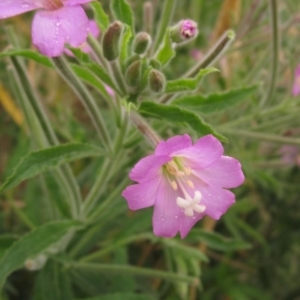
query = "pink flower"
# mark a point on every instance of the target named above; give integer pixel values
(296, 85)
(58, 22)
(184, 182)
(188, 29)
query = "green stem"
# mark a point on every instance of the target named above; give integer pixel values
(138, 271)
(114, 245)
(214, 54)
(86, 99)
(165, 19)
(94, 44)
(117, 73)
(274, 51)
(262, 136)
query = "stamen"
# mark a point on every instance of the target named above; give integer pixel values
(187, 170)
(174, 185)
(190, 184)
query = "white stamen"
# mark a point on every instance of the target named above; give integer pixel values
(191, 205)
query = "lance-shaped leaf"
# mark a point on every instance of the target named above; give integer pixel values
(39, 58)
(39, 161)
(176, 114)
(187, 84)
(215, 102)
(127, 296)
(122, 12)
(165, 52)
(33, 244)
(101, 17)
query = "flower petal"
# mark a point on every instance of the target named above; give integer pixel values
(173, 145)
(9, 8)
(224, 173)
(51, 30)
(186, 223)
(148, 167)
(75, 2)
(216, 200)
(141, 195)
(166, 212)
(203, 153)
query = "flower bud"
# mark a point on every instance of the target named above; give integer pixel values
(183, 31)
(111, 41)
(142, 42)
(133, 73)
(157, 81)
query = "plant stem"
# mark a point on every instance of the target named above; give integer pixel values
(165, 18)
(138, 271)
(86, 99)
(262, 136)
(274, 51)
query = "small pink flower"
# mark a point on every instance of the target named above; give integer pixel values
(188, 29)
(184, 182)
(58, 22)
(296, 85)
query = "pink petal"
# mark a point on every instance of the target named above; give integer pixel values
(173, 145)
(51, 30)
(148, 168)
(224, 173)
(166, 212)
(9, 8)
(93, 28)
(186, 223)
(141, 195)
(216, 200)
(75, 2)
(203, 153)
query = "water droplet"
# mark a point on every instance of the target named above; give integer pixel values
(209, 195)
(58, 24)
(162, 219)
(194, 217)
(176, 217)
(25, 5)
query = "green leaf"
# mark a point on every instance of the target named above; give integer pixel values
(122, 12)
(125, 44)
(165, 52)
(101, 74)
(44, 60)
(87, 76)
(100, 16)
(179, 115)
(42, 160)
(215, 102)
(125, 296)
(6, 240)
(33, 244)
(187, 84)
(217, 241)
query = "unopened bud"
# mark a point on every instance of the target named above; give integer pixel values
(157, 81)
(133, 73)
(142, 42)
(183, 31)
(111, 41)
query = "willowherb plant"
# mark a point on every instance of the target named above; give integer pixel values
(142, 93)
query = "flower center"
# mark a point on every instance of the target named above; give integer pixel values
(180, 179)
(47, 4)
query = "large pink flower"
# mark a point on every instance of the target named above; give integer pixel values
(58, 22)
(184, 182)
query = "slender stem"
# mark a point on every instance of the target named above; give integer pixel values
(165, 18)
(262, 136)
(94, 44)
(85, 97)
(214, 54)
(45, 126)
(113, 245)
(274, 51)
(145, 128)
(117, 73)
(138, 271)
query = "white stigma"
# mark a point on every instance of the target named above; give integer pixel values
(191, 205)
